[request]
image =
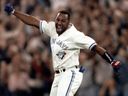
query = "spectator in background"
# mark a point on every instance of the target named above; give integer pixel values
(39, 68)
(88, 88)
(123, 56)
(96, 15)
(16, 73)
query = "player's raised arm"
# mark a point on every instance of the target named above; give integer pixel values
(27, 19)
(105, 55)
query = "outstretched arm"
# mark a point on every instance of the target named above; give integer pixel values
(105, 55)
(27, 19)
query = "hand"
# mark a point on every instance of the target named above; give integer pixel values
(9, 9)
(116, 67)
(115, 64)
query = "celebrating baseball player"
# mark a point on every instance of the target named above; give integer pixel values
(66, 42)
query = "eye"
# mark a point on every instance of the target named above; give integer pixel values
(63, 21)
(57, 20)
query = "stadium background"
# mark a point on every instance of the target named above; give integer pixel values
(25, 55)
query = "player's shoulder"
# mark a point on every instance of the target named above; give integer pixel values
(75, 31)
(79, 33)
(48, 27)
(47, 22)
(51, 22)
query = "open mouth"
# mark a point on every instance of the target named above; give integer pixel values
(59, 28)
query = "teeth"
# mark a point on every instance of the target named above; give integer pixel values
(59, 27)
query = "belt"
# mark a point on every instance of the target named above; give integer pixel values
(64, 69)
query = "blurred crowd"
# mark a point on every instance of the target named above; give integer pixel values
(25, 54)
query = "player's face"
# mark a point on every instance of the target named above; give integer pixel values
(61, 23)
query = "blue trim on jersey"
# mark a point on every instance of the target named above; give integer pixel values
(92, 45)
(71, 82)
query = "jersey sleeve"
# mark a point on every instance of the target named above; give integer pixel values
(47, 28)
(84, 42)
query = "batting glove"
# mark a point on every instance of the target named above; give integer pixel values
(9, 9)
(116, 70)
(115, 64)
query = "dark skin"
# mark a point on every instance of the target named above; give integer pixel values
(61, 22)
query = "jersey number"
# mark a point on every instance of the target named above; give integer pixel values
(61, 54)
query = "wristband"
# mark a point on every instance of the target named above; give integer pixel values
(107, 57)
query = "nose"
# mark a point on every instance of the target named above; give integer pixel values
(59, 22)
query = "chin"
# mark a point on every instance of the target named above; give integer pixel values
(59, 32)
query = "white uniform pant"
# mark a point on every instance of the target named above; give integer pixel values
(66, 83)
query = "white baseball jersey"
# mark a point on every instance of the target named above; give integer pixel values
(66, 47)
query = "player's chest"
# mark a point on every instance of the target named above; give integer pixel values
(59, 44)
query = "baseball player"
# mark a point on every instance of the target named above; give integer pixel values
(66, 42)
